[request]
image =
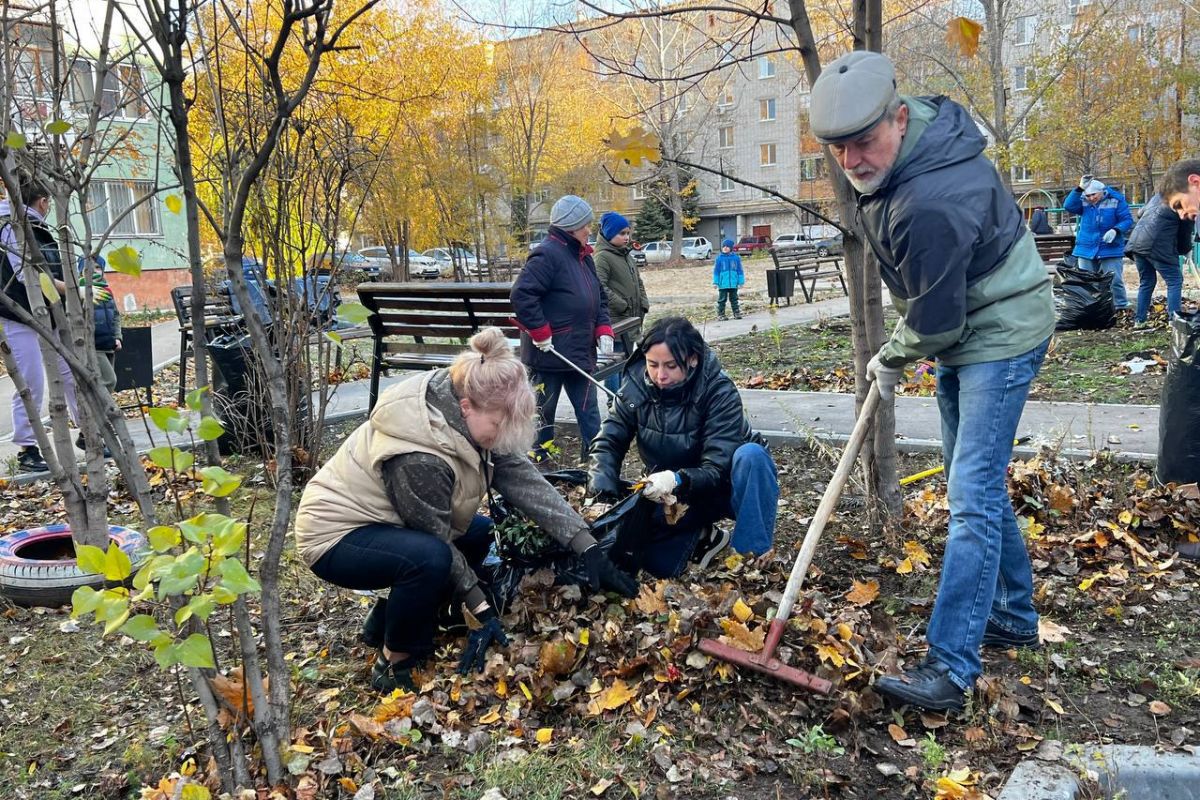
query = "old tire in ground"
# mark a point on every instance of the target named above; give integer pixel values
(37, 566)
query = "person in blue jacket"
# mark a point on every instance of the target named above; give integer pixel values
(560, 303)
(1104, 222)
(727, 277)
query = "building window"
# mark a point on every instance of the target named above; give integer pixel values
(1134, 33)
(123, 96)
(1024, 29)
(767, 189)
(726, 100)
(725, 136)
(33, 73)
(1022, 172)
(110, 200)
(726, 184)
(766, 67)
(1020, 78)
(725, 53)
(811, 168)
(766, 155)
(766, 110)
(639, 191)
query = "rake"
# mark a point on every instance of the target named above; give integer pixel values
(764, 661)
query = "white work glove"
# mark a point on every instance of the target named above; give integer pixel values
(545, 344)
(606, 345)
(1084, 181)
(660, 486)
(885, 377)
(1109, 235)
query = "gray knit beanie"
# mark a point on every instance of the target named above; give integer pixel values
(570, 213)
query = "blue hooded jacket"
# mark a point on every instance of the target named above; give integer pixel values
(1112, 212)
(727, 269)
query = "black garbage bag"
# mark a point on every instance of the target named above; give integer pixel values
(239, 399)
(1179, 411)
(1084, 300)
(521, 550)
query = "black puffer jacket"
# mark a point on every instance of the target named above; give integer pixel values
(1160, 235)
(692, 428)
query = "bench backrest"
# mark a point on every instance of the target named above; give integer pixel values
(804, 260)
(437, 310)
(217, 306)
(1053, 246)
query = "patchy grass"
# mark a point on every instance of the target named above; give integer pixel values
(1082, 366)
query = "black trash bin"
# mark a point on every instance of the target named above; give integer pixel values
(781, 283)
(232, 356)
(1179, 411)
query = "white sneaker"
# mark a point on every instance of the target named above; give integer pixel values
(713, 540)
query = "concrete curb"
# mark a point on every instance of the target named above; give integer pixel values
(1133, 771)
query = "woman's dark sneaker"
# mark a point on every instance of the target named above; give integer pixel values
(713, 540)
(387, 678)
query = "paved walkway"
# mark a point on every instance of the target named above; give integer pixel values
(1077, 429)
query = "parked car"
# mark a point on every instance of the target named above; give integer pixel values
(696, 247)
(750, 243)
(445, 258)
(638, 255)
(657, 252)
(344, 261)
(830, 247)
(419, 266)
(536, 238)
(791, 241)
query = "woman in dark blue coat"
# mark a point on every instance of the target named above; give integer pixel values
(559, 302)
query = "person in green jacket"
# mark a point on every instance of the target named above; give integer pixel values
(972, 292)
(621, 281)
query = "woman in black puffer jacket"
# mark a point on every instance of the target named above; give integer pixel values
(697, 445)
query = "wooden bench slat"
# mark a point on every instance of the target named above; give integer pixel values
(431, 304)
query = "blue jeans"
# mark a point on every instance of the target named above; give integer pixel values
(582, 395)
(1109, 266)
(1148, 272)
(751, 499)
(416, 567)
(986, 575)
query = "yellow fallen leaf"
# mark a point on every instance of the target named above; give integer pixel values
(734, 561)
(601, 787)
(845, 632)
(544, 735)
(905, 567)
(1055, 705)
(634, 146)
(916, 552)
(831, 654)
(611, 698)
(303, 748)
(583, 637)
(963, 34)
(490, 717)
(742, 611)
(741, 637)
(1086, 583)
(525, 690)
(862, 594)
(348, 785)
(651, 600)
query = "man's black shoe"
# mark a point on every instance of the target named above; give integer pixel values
(995, 636)
(713, 540)
(927, 686)
(29, 459)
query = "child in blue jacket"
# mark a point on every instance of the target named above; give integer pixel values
(727, 277)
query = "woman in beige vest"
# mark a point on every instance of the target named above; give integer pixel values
(396, 507)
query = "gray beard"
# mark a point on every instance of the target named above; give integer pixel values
(867, 187)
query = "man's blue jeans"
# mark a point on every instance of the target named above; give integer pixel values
(582, 395)
(752, 500)
(1114, 267)
(985, 571)
(1148, 272)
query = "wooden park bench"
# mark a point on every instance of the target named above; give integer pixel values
(419, 326)
(219, 318)
(807, 268)
(1053, 246)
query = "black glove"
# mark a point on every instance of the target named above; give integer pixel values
(603, 574)
(601, 484)
(478, 642)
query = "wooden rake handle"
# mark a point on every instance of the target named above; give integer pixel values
(825, 510)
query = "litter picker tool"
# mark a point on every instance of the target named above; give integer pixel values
(764, 661)
(575, 367)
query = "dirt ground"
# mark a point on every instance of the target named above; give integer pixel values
(636, 711)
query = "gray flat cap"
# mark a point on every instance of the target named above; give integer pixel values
(851, 96)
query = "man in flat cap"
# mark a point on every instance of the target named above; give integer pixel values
(973, 293)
